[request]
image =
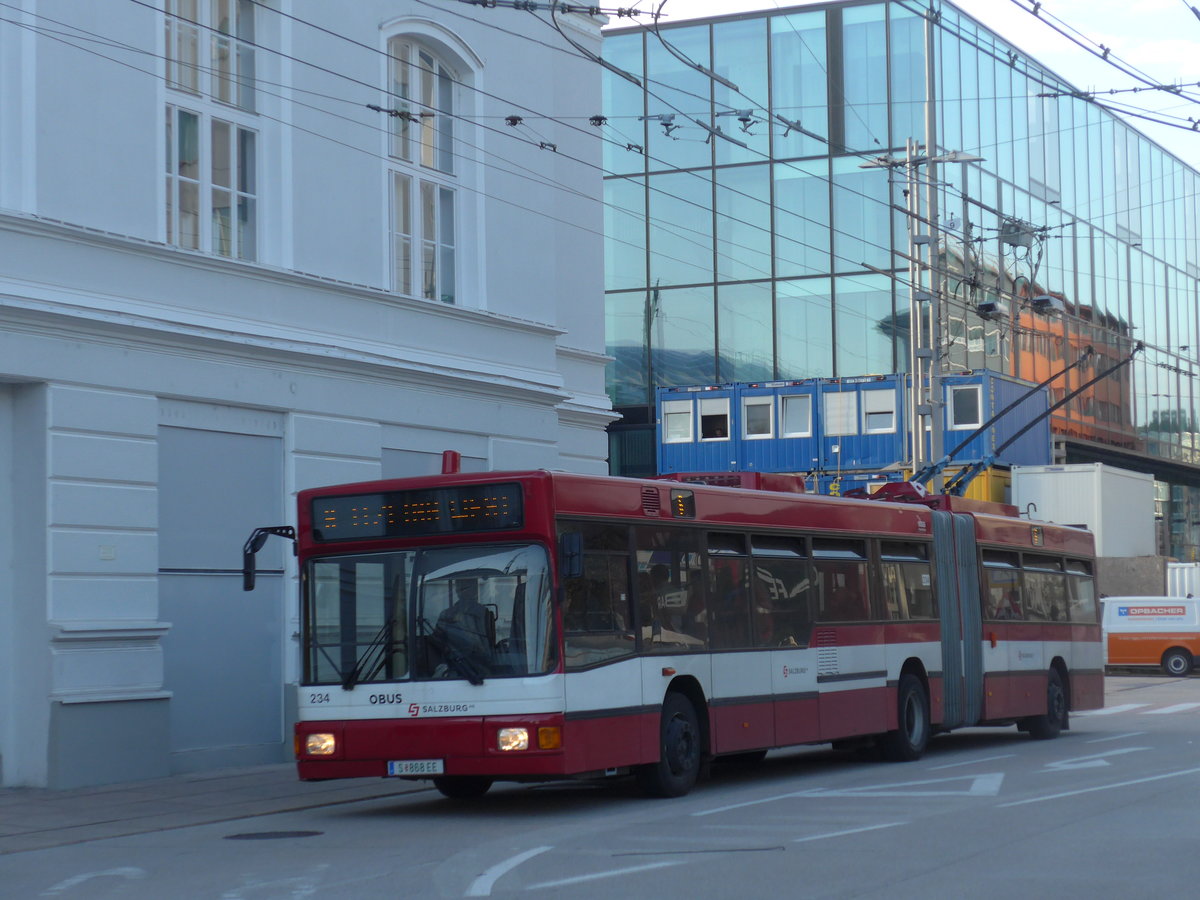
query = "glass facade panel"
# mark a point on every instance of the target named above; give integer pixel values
(681, 228)
(864, 325)
(675, 86)
(804, 323)
(861, 217)
(624, 128)
(863, 72)
(627, 320)
(740, 55)
(624, 233)
(744, 332)
(682, 337)
(802, 218)
(907, 75)
(743, 221)
(800, 84)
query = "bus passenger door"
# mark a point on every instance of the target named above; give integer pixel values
(672, 617)
(742, 709)
(963, 653)
(851, 656)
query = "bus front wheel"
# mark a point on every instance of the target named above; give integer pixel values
(1043, 728)
(679, 751)
(462, 787)
(908, 741)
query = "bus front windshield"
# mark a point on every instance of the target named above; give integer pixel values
(465, 612)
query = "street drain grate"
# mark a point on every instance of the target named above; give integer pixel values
(270, 835)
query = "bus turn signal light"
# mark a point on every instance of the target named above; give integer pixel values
(550, 738)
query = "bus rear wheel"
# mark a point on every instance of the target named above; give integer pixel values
(1177, 662)
(462, 787)
(1044, 728)
(908, 741)
(678, 764)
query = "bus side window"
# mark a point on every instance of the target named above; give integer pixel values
(597, 614)
(670, 596)
(1045, 588)
(907, 580)
(841, 570)
(728, 592)
(1082, 589)
(783, 590)
(1002, 586)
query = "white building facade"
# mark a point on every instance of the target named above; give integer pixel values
(225, 277)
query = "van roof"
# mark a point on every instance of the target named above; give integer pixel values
(1148, 599)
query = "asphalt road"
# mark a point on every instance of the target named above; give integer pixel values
(1109, 809)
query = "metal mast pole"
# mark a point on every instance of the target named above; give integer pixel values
(936, 413)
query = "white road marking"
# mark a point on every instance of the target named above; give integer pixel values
(1110, 710)
(1102, 787)
(721, 809)
(1167, 710)
(297, 886)
(833, 834)
(597, 875)
(1090, 762)
(129, 873)
(971, 762)
(1115, 737)
(482, 886)
(981, 786)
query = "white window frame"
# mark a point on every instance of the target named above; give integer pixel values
(841, 414)
(226, 72)
(800, 400)
(954, 424)
(877, 402)
(714, 406)
(749, 403)
(422, 184)
(423, 241)
(217, 180)
(678, 426)
(423, 88)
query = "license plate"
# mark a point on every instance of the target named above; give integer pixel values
(416, 767)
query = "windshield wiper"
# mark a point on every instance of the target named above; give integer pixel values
(381, 644)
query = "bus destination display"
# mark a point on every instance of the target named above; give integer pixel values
(402, 514)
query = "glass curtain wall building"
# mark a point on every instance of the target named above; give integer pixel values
(768, 250)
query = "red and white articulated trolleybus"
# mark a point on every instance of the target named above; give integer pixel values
(525, 626)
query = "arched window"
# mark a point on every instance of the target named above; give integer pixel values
(422, 174)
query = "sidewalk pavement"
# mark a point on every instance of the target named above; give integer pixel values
(36, 818)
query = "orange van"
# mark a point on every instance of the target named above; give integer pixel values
(1152, 631)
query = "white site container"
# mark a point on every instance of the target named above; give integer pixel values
(1183, 579)
(1116, 505)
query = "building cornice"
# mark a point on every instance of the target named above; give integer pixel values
(22, 223)
(57, 311)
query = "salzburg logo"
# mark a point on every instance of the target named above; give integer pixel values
(414, 709)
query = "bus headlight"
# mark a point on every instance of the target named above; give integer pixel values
(512, 739)
(320, 745)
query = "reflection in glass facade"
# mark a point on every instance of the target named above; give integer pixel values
(775, 255)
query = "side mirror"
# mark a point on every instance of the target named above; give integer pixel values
(254, 543)
(570, 555)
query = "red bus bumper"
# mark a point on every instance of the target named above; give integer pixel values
(465, 745)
